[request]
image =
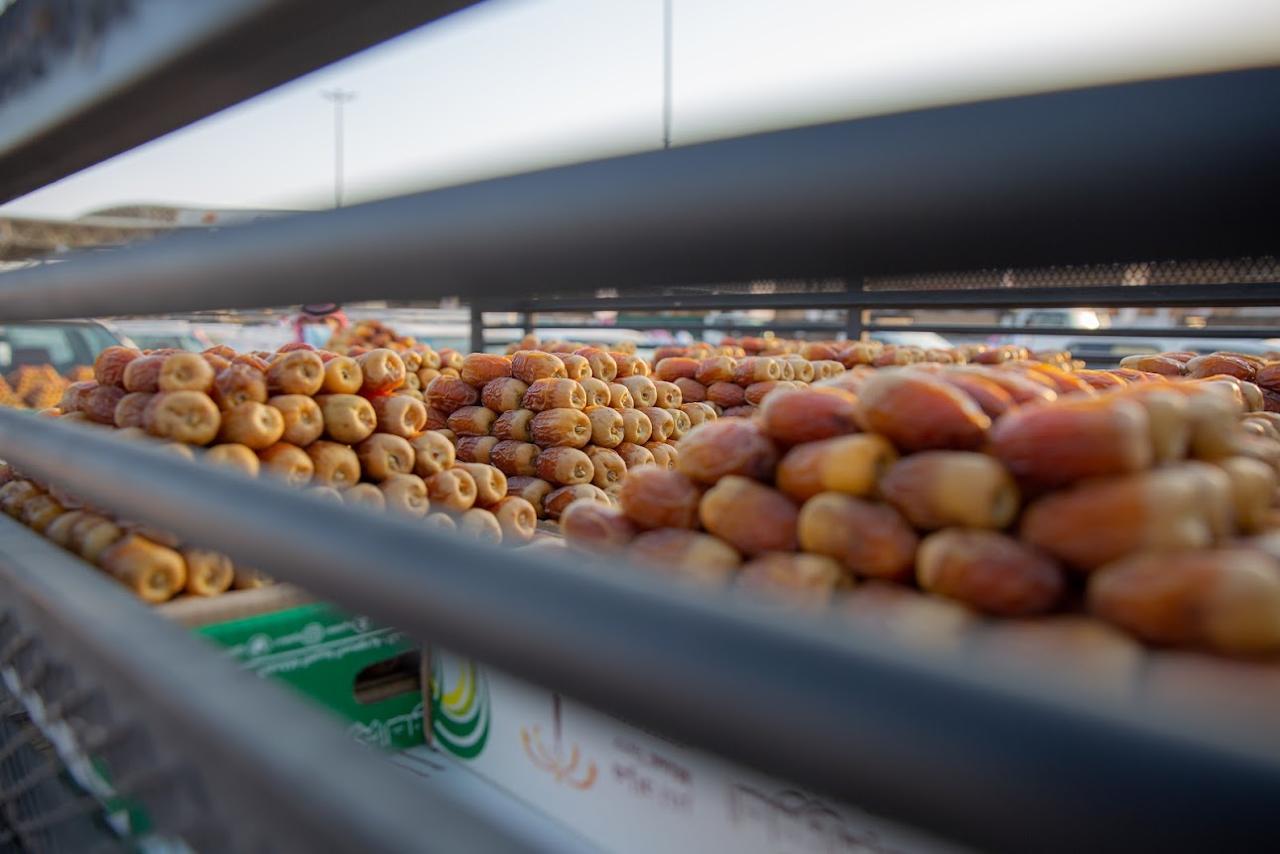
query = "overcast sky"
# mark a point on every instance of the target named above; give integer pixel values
(517, 84)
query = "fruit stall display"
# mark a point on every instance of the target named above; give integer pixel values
(1143, 499)
(346, 429)
(561, 426)
(38, 386)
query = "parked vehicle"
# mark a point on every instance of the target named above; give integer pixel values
(64, 344)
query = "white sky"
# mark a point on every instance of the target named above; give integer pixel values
(516, 84)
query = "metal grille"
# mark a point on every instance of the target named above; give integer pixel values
(1260, 270)
(78, 775)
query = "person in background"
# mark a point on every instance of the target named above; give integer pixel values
(316, 324)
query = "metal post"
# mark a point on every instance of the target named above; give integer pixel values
(526, 322)
(666, 73)
(854, 318)
(338, 97)
(477, 329)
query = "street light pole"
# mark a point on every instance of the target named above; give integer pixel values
(666, 73)
(338, 97)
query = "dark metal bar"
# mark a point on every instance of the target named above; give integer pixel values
(290, 772)
(692, 324)
(1069, 332)
(477, 329)
(854, 322)
(165, 65)
(979, 759)
(1094, 296)
(811, 203)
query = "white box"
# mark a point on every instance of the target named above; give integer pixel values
(628, 790)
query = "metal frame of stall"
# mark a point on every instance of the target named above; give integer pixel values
(1178, 169)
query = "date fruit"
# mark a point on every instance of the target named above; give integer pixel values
(288, 463)
(303, 421)
(516, 425)
(1227, 600)
(687, 556)
(453, 490)
(153, 572)
(531, 489)
(255, 425)
(491, 484)
(603, 366)
(1047, 447)
(382, 370)
(517, 519)
(446, 394)
(791, 417)
(364, 495)
(724, 447)
(348, 418)
(870, 539)
(297, 372)
(1098, 521)
(475, 449)
(472, 421)
(208, 573)
(479, 369)
(849, 464)
(336, 465)
(989, 572)
(802, 581)
(503, 394)
(634, 455)
(239, 383)
(109, 367)
(342, 375)
(182, 416)
(606, 426)
(942, 489)
(751, 517)
(185, 372)
(406, 494)
(595, 527)
(569, 428)
(565, 466)
(608, 467)
(653, 497)
(383, 455)
(596, 390)
(554, 393)
(234, 456)
(143, 374)
(533, 365)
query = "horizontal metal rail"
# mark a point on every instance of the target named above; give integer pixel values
(287, 769)
(164, 65)
(1239, 294)
(691, 325)
(972, 757)
(1185, 166)
(1223, 332)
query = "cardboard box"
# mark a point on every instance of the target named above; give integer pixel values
(629, 790)
(369, 675)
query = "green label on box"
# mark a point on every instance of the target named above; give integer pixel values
(336, 659)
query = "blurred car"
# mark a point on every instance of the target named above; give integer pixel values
(161, 334)
(64, 344)
(909, 338)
